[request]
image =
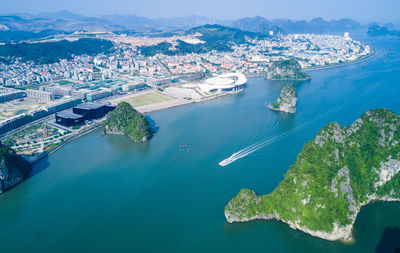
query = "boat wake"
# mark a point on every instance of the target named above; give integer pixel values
(263, 143)
(259, 145)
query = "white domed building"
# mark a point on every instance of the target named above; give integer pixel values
(225, 82)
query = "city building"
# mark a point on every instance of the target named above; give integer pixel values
(225, 82)
(97, 95)
(133, 86)
(62, 105)
(40, 95)
(14, 122)
(92, 111)
(68, 119)
(11, 94)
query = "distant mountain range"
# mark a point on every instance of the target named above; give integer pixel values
(21, 26)
(317, 25)
(388, 29)
(68, 21)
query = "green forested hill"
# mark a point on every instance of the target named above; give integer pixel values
(125, 120)
(335, 174)
(215, 37)
(286, 70)
(50, 52)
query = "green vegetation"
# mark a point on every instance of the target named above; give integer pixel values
(15, 36)
(51, 52)
(13, 169)
(63, 82)
(334, 175)
(40, 134)
(33, 86)
(160, 48)
(286, 70)
(216, 37)
(127, 121)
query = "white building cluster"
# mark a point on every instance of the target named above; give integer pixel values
(225, 82)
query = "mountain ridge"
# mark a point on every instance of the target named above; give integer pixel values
(65, 19)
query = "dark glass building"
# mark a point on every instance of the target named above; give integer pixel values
(91, 111)
(69, 119)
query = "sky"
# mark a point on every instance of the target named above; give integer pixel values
(361, 10)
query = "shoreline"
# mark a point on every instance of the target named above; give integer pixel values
(39, 157)
(181, 102)
(141, 110)
(337, 65)
(344, 233)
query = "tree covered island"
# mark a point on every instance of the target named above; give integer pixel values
(286, 70)
(125, 120)
(335, 174)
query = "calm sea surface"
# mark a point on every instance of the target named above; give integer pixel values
(106, 194)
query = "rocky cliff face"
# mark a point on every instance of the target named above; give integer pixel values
(125, 120)
(335, 174)
(13, 169)
(286, 101)
(286, 70)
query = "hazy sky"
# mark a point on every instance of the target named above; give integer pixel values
(361, 10)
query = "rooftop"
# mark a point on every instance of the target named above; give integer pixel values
(68, 115)
(89, 106)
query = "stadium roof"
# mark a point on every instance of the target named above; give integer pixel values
(223, 82)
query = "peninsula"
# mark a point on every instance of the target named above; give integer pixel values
(286, 101)
(335, 174)
(125, 120)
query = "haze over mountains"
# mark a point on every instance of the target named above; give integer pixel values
(21, 26)
(316, 25)
(68, 21)
(65, 20)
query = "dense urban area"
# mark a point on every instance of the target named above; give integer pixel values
(47, 100)
(290, 121)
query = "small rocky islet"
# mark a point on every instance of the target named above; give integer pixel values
(286, 101)
(335, 174)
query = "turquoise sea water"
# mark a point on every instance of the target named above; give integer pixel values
(106, 194)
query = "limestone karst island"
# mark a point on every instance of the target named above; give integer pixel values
(199, 126)
(335, 174)
(124, 120)
(286, 101)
